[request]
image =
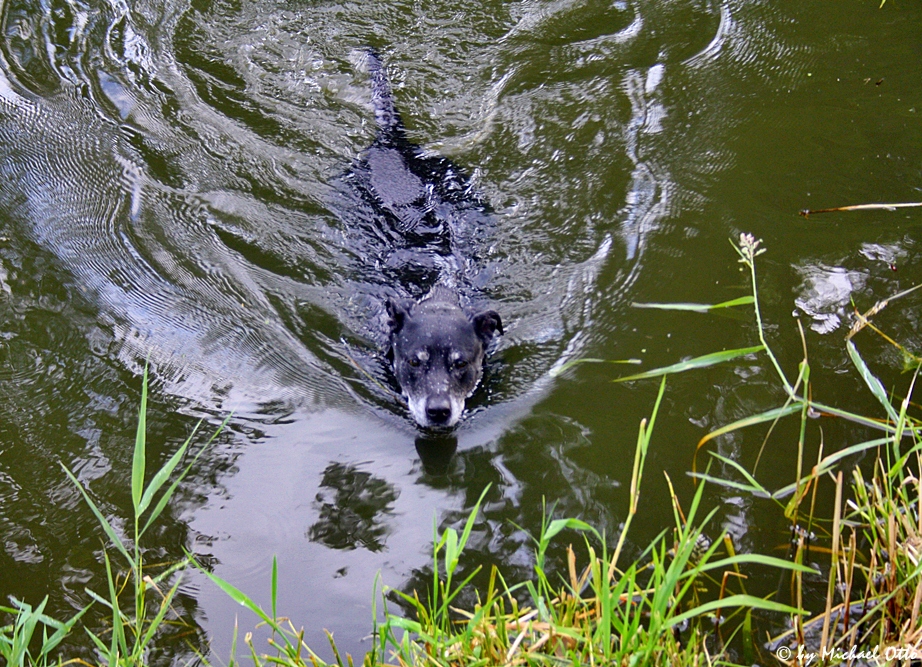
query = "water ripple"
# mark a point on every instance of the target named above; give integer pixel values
(183, 166)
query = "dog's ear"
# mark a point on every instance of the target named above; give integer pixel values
(487, 324)
(397, 311)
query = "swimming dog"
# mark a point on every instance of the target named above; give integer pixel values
(426, 209)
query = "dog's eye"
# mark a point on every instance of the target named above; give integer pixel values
(458, 364)
(414, 362)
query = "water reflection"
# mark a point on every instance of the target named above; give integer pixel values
(826, 293)
(354, 508)
(436, 452)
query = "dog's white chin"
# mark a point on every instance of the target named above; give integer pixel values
(418, 411)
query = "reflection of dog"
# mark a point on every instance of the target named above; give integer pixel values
(436, 348)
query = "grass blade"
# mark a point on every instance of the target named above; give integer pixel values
(757, 559)
(828, 462)
(875, 385)
(238, 596)
(62, 630)
(165, 498)
(275, 586)
(106, 526)
(119, 643)
(740, 600)
(697, 307)
(730, 484)
(829, 411)
(558, 525)
(742, 471)
(157, 621)
(767, 416)
(469, 524)
(692, 364)
(140, 455)
(165, 471)
(559, 370)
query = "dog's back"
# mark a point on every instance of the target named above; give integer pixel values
(427, 212)
(426, 219)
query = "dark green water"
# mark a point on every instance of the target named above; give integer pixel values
(166, 194)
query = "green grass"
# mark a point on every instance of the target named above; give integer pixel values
(874, 541)
(138, 602)
(602, 614)
(135, 626)
(16, 639)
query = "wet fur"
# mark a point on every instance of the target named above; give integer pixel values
(436, 347)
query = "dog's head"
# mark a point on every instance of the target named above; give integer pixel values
(437, 352)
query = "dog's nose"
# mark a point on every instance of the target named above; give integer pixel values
(438, 411)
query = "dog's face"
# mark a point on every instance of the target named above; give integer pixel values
(437, 353)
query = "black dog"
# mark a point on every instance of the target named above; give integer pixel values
(427, 212)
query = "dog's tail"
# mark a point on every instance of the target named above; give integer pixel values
(382, 100)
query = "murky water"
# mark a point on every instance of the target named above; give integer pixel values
(168, 193)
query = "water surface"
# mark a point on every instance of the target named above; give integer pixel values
(168, 194)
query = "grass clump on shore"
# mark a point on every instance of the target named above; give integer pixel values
(667, 607)
(873, 602)
(134, 626)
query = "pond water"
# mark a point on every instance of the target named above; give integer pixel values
(168, 194)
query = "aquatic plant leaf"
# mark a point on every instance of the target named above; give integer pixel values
(106, 526)
(829, 411)
(757, 559)
(275, 586)
(828, 462)
(730, 484)
(745, 473)
(767, 416)
(62, 630)
(157, 621)
(164, 473)
(749, 649)
(166, 495)
(238, 596)
(119, 641)
(100, 645)
(560, 524)
(16, 648)
(469, 524)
